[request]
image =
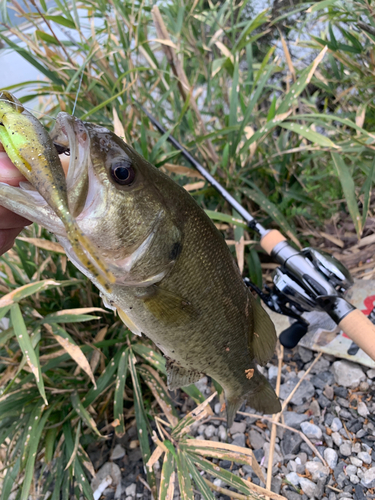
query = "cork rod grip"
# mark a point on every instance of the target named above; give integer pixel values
(271, 239)
(360, 329)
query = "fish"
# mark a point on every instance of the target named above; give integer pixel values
(171, 274)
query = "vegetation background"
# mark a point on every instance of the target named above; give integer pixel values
(278, 104)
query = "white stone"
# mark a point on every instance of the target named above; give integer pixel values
(308, 487)
(355, 461)
(336, 424)
(365, 457)
(118, 452)
(222, 433)
(272, 371)
(238, 427)
(293, 478)
(109, 469)
(312, 431)
(346, 449)
(210, 431)
(131, 490)
(362, 409)
(331, 457)
(317, 470)
(347, 374)
(368, 479)
(371, 373)
(336, 438)
(354, 479)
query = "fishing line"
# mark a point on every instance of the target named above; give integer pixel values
(78, 91)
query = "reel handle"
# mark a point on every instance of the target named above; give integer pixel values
(360, 329)
(290, 337)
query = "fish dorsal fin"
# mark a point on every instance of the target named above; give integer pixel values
(263, 340)
(129, 322)
(178, 376)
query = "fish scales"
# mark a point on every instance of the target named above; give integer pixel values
(175, 279)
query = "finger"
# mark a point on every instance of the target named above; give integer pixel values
(8, 172)
(10, 220)
(7, 237)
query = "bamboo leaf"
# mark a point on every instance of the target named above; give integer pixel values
(167, 480)
(25, 344)
(271, 209)
(160, 392)
(226, 218)
(367, 188)
(141, 421)
(61, 20)
(151, 356)
(309, 134)
(66, 341)
(348, 188)
(35, 435)
(83, 413)
(118, 403)
(186, 490)
(198, 480)
(26, 290)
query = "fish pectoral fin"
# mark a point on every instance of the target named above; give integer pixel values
(262, 340)
(168, 307)
(178, 376)
(129, 322)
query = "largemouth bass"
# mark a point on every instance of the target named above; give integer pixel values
(174, 278)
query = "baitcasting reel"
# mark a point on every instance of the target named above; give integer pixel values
(305, 281)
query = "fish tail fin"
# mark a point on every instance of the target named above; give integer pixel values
(263, 400)
(263, 341)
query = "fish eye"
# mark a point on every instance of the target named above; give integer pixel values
(62, 149)
(123, 172)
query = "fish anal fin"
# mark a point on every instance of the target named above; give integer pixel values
(129, 322)
(264, 399)
(178, 376)
(263, 340)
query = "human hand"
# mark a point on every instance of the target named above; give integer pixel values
(11, 224)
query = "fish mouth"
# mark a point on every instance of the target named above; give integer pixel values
(71, 138)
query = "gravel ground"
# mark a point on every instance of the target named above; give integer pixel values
(333, 407)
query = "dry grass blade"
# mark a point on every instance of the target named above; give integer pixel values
(275, 418)
(73, 350)
(286, 401)
(288, 58)
(157, 453)
(179, 72)
(194, 186)
(181, 170)
(199, 413)
(217, 450)
(307, 440)
(25, 291)
(51, 246)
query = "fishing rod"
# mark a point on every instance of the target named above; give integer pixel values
(306, 280)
